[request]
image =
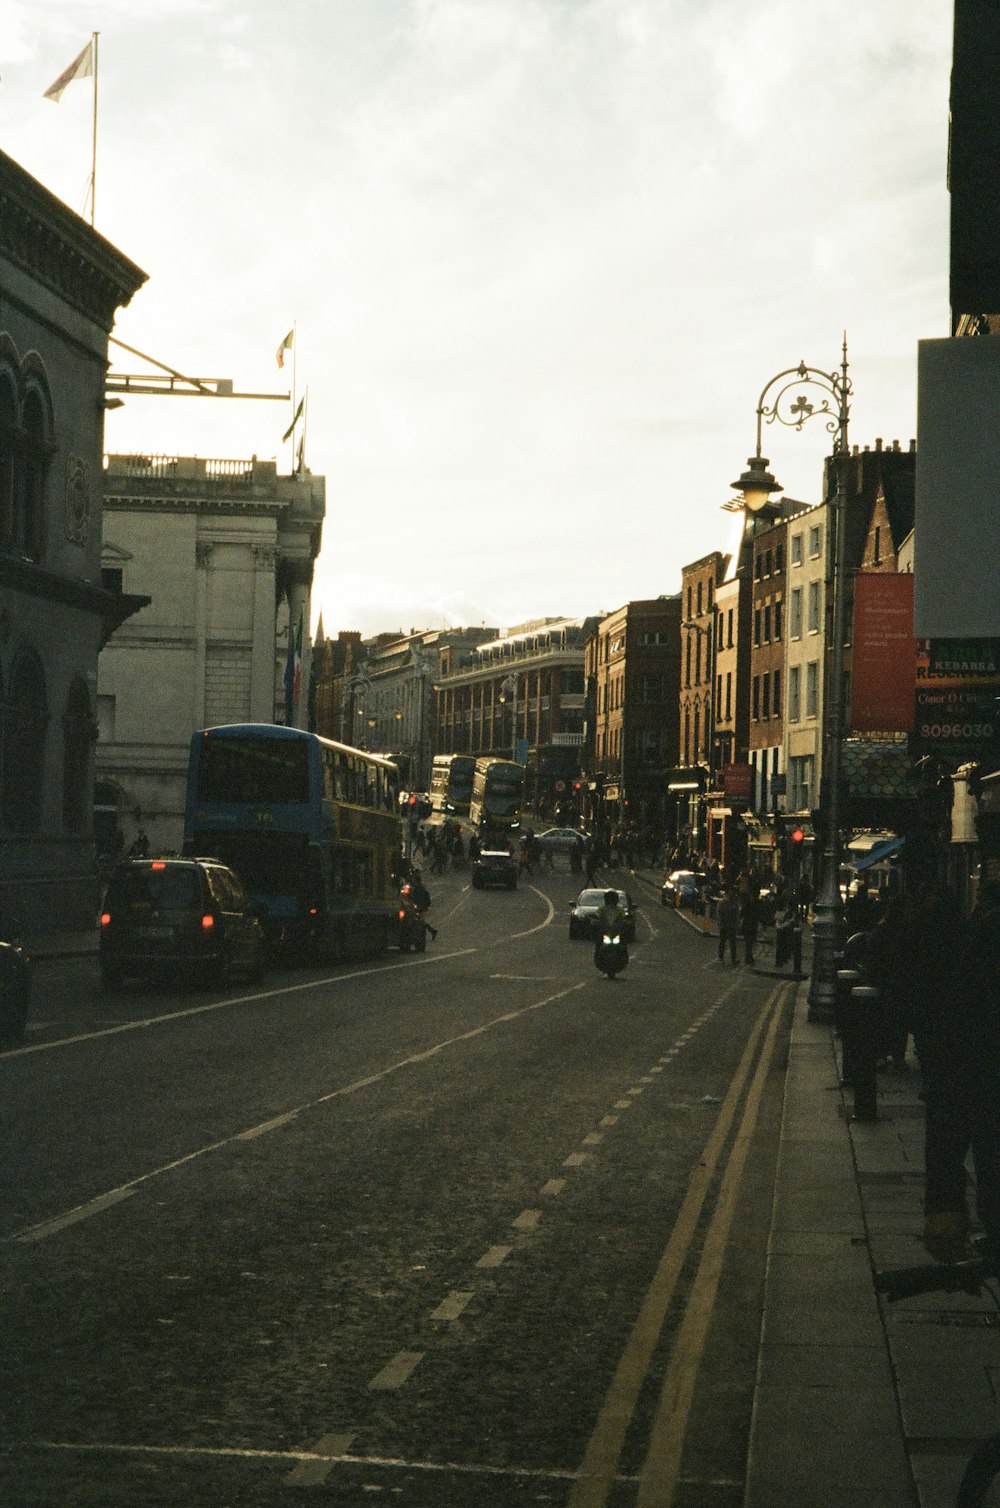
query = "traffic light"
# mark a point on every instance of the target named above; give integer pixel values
(794, 840)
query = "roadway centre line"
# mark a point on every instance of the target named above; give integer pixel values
(552, 911)
(94, 1206)
(598, 1469)
(221, 1005)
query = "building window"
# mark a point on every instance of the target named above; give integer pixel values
(718, 697)
(729, 630)
(779, 558)
(755, 698)
(812, 689)
(24, 747)
(795, 620)
(776, 707)
(794, 694)
(767, 625)
(768, 563)
(756, 625)
(777, 621)
(765, 699)
(796, 549)
(813, 620)
(698, 611)
(878, 544)
(815, 540)
(729, 694)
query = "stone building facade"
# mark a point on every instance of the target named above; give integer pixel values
(225, 550)
(60, 286)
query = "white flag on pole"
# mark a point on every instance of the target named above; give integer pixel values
(82, 67)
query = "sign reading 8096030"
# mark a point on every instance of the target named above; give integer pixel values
(958, 720)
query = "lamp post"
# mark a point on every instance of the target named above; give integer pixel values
(756, 484)
(706, 730)
(508, 689)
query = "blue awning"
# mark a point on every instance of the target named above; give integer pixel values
(879, 851)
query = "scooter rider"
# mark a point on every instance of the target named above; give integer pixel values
(610, 921)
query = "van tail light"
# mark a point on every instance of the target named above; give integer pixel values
(105, 918)
(402, 916)
(313, 910)
(207, 921)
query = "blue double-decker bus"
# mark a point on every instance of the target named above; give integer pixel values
(311, 826)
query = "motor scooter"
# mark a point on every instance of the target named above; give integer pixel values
(610, 954)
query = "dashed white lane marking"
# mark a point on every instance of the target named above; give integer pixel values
(495, 1256)
(608, 1120)
(657, 1069)
(265, 1126)
(635, 1089)
(452, 1306)
(593, 1139)
(622, 1104)
(113, 1196)
(553, 1187)
(396, 1371)
(575, 1160)
(82, 1212)
(315, 1473)
(527, 1220)
(222, 1005)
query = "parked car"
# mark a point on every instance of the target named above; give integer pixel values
(682, 887)
(494, 866)
(161, 916)
(584, 913)
(560, 840)
(15, 991)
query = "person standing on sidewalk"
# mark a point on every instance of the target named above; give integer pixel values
(750, 918)
(963, 1092)
(728, 916)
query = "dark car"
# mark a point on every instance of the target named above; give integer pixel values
(682, 887)
(163, 916)
(585, 909)
(15, 991)
(494, 866)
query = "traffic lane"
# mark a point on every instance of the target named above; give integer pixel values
(319, 1240)
(189, 1078)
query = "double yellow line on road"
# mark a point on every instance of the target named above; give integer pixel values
(661, 1469)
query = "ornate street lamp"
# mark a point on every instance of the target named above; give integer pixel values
(508, 690)
(756, 485)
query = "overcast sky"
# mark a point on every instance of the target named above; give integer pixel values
(541, 257)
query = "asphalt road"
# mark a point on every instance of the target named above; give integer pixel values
(474, 1227)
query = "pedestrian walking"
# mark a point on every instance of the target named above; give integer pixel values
(750, 917)
(728, 915)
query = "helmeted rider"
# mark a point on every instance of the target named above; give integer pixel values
(610, 921)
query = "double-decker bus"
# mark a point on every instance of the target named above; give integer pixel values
(312, 827)
(497, 789)
(451, 783)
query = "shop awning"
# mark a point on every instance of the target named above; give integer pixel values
(879, 851)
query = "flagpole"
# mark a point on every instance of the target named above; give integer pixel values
(295, 371)
(93, 154)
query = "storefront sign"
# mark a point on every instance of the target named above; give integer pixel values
(884, 668)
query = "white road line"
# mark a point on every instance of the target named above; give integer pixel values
(112, 1196)
(553, 1187)
(527, 1220)
(575, 1160)
(221, 1005)
(551, 913)
(266, 1126)
(593, 1139)
(82, 1212)
(608, 1120)
(396, 1371)
(451, 1307)
(622, 1104)
(315, 1473)
(495, 1256)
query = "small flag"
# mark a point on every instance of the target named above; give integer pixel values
(81, 67)
(295, 419)
(286, 345)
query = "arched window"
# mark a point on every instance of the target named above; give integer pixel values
(26, 718)
(78, 741)
(8, 440)
(29, 489)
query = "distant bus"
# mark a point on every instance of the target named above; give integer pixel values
(497, 790)
(451, 783)
(311, 826)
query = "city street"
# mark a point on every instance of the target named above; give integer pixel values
(473, 1227)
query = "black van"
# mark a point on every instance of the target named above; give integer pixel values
(161, 916)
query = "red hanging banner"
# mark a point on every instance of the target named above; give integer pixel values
(884, 667)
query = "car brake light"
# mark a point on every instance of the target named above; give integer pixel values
(105, 918)
(313, 910)
(159, 864)
(208, 920)
(402, 916)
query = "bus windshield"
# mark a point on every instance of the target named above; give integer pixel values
(502, 796)
(253, 769)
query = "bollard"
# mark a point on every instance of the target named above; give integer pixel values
(844, 1021)
(864, 1007)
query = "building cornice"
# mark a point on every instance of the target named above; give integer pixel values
(54, 247)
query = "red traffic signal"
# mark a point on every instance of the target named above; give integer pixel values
(797, 835)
